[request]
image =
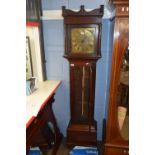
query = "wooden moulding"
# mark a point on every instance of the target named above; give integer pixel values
(122, 8)
(121, 2)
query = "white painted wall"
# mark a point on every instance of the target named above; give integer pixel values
(33, 33)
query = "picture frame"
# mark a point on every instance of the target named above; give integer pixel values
(29, 70)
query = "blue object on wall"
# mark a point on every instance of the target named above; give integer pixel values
(28, 88)
(57, 68)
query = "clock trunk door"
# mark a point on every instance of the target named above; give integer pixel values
(81, 93)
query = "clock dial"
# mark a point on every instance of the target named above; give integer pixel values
(83, 40)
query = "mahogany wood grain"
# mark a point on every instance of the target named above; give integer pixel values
(114, 143)
(116, 151)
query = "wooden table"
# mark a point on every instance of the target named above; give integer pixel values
(41, 126)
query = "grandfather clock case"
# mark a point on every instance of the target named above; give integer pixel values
(117, 122)
(82, 31)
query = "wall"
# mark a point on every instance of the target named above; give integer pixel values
(33, 34)
(58, 68)
(73, 4)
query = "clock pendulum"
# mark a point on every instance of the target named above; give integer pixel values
(82, 49)
(83, 86)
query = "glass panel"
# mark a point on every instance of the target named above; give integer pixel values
(123, 97)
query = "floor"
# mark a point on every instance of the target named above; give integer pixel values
(63, 150)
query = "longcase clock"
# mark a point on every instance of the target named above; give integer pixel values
(82, 49)
(117, 121)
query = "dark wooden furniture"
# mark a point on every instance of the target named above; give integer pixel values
(82, 49)
(42, 131)
(115, 142)
(39, 134)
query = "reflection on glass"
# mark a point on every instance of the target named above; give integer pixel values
(123, 97)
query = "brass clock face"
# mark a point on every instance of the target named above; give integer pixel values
(83, 40)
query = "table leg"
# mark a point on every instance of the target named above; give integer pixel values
(52, 119)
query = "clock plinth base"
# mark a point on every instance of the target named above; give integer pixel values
(82, 135)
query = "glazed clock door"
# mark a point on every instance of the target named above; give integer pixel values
(117, 122)
(82, 40)
(123, 97)
(117, 129)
